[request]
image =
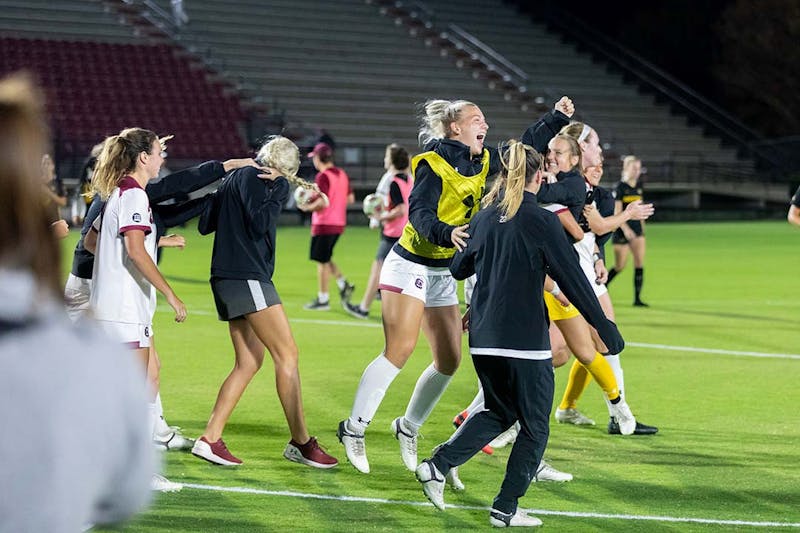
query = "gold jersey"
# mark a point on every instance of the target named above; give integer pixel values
(460, 199)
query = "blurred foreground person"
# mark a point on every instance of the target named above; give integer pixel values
(77, 450)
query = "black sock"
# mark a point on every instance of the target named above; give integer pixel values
(638, 279)
(611, 275)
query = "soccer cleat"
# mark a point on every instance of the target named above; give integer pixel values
(355, 310)
(573, 416)
(354, 448)
(505, 438)
(545, 472)
(347, 291)
(453, 480)
(459, 419)
(162, 484)
(624, 417)
(408, 444)
(172, 439)
(316, 305)
(215, 452)
(641, 429)
(309, 454)
(639, 303)
(432, 483)
(518, 519)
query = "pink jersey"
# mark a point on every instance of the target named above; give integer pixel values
(394, 228)
(335, 183)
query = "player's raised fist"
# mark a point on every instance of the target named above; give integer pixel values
(566, 106)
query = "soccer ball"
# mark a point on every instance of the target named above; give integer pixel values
(373, 204)
(303, 196)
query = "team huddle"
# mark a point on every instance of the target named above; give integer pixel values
(539, 231)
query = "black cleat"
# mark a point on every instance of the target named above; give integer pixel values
(639, 303)
(641, 429)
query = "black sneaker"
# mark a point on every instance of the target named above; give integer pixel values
(316, 305)
(355, 310)
(639, 303)
(347, 291)
(641, 429)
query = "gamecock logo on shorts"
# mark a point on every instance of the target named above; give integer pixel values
(418, 283)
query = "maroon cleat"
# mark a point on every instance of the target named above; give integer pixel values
(309, 454)
(459, 419)
(215, 452)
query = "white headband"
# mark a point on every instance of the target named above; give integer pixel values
(584, 133)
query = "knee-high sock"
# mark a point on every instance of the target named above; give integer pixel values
(430, 387)
(477, 402)
(376, 378)
(612, 273)
(153, 414)
(579, 379)
(638, 279)
(616, 367)
(604, 376)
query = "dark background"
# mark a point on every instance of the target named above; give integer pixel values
(742, 54)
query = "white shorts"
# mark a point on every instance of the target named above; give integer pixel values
(77, 293)
(131, 335)
(585, 250)
(435, 286)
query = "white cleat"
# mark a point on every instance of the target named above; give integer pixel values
(172, 439)
(453, 480)
(518, 519)
(432, 483)
(408, 444)
(353, 447)
(573, 416)
(545, 472)
(624, 417)
(507, 437)
(162, 484)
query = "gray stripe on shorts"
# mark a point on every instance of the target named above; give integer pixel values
(257, 293)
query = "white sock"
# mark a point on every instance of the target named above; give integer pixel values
(341, 282)
(152, 411)
(375, 380)
(363, 309)
(616, 367)
(477, 402)
(322, 297)
(430, 387)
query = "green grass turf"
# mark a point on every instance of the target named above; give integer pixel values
(727, 449)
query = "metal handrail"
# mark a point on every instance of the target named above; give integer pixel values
(488, 50)
(677, 92)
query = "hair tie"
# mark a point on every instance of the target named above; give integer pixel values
(584, 133)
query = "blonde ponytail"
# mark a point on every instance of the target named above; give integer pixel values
(436, 117)
(118, 158)
(520, 164)
(283, 155)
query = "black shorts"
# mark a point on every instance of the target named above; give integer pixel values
(322, 247)
(235, 298)
(385, 247)
(619, 236)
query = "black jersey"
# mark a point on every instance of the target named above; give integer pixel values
(246, 210)
(627, 194)
(604, 201)
(796, 198)
(511, 259)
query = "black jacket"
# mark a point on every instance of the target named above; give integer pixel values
(511, 259)
(246, 210)
(424, 198)
(178, 183)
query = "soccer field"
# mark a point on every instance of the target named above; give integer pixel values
(713, 363)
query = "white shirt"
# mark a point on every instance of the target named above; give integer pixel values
(120, 293)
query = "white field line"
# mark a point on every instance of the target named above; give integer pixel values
(292, 494)
(363, 324)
